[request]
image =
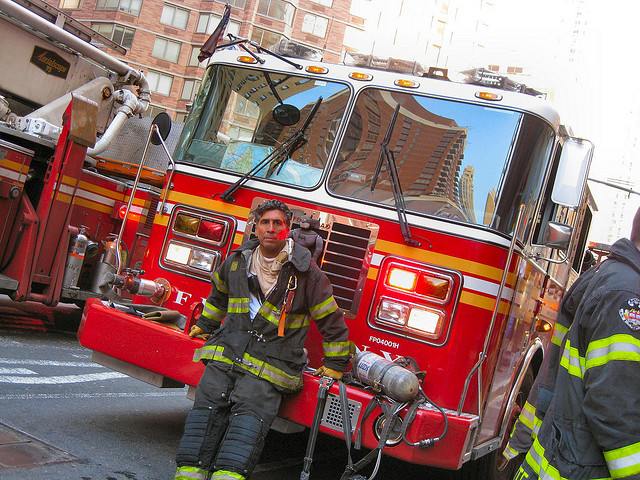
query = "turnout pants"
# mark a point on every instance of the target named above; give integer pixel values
(226, 428)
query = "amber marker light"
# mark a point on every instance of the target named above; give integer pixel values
(247, 59)
(494, 97)
(364, 77)
(186, 224)
(316, 69)
(406, 83)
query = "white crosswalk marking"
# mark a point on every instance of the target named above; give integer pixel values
(89, 377)
(16, 371)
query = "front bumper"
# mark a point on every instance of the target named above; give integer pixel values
(162, 356)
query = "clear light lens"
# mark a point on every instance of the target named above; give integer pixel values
(202, 260)
(426, 321)
(403, 279)
(178, 254)
(393, 312)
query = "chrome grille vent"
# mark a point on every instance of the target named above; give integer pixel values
(346, 248)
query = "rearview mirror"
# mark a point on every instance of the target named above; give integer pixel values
(572, 172)
(557, 235)
(163, 122)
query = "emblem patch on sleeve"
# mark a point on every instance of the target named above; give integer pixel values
(631, 315)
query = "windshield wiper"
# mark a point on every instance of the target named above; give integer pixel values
(277, 158)
(241, 43)
(387, 156)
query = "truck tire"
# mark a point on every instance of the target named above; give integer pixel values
(486, 467)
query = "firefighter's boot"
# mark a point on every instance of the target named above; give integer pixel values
(240, 447)
(202, 433)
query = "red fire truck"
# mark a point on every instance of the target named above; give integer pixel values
(453, 217)
(63, 102)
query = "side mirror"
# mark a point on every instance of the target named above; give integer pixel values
(163, 122)
(572, 172)
(557, 235)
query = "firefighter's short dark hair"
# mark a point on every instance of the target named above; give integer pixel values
(272, 204)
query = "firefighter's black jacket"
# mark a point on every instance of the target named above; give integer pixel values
(592, 427)
(254, 344)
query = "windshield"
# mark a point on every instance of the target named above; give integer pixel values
(241, 117)
(466, 162)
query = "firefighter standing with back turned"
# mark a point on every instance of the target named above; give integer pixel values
(268, 290)
(584, 420)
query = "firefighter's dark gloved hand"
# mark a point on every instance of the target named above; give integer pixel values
(328, 372)
(197, 332)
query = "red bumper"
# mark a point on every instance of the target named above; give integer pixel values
(169, 353)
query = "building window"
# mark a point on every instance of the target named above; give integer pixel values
(494, 68)
(153, 110)
(278, 9)
(514, 69)
(235, 3)
(117, 33)
(166, 49)
(189, 89)
(315, 25)
(265, 38)
(208, 22)
(159, 82)
(193, 59)
(126, 6)
(70, 4)
(326, 3)
(175, 17)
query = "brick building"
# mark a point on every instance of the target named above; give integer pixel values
(163, 37)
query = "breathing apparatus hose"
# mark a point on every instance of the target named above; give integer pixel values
(390, 409)
(411, 415)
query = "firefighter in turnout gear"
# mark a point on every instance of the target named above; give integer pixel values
(267, 291)
(591, 429)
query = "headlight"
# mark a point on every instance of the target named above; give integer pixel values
(191, 256)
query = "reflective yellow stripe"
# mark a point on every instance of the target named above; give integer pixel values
(226, 475)
(572, 361)
(191, 473)
(257, 367)
(220, 285)
(270, 312)
(624, 462)
(617, 347)
(559, 332)
(212, 312)
(338, 349)
(323, 309)
(530, 420)
(238, 305)
(540, 465)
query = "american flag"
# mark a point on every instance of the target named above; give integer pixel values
(212, 42)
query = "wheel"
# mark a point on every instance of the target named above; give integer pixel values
(492, 466)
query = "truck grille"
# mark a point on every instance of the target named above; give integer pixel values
(346, 248)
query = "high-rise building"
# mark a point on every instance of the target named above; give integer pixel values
(163, 37)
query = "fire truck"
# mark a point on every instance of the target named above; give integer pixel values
(63, 103)
(453, 216)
